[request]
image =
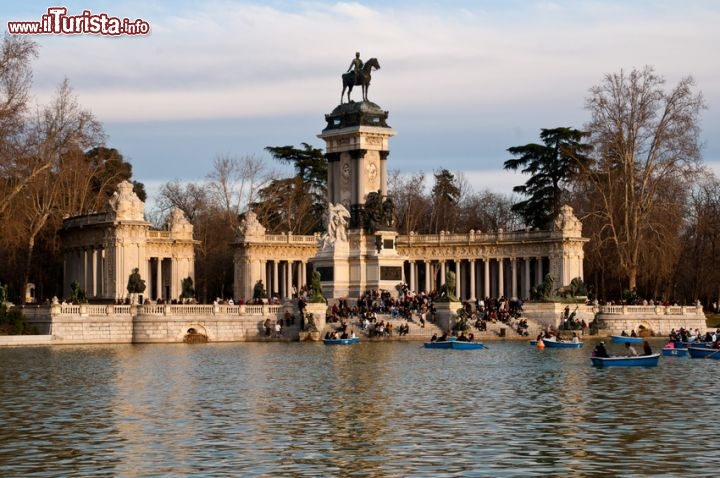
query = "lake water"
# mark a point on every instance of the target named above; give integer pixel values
(372, 409)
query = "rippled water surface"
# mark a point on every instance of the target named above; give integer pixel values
(372, 409)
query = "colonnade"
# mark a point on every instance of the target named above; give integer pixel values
(283, 278)
(478, 278)
(87, 266)
(474, 278)
(95, 272)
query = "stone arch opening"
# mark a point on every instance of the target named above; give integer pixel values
(195, 335)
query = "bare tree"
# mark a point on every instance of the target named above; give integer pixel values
(190, 198)
(60, 129)
(487, 212)
(15, 80)
(698, 268)
(411, 203)
(646, 141)
(233, 182)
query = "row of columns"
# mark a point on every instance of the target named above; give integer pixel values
(87, 266)
(493, 281)
(284, 277)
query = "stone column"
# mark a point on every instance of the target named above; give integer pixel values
(513, 276)
(94, 272)
(526, 278)
(159, 278)
(487, 277)
(303, 274)
(501, 277)
(458, 280)
(472, 280)
(427, 276)
(85, 281)
(274, 279)
(538, 270)
(442, 272)
(175, 279)
(288, 280)
(264, 275)
(413, 276)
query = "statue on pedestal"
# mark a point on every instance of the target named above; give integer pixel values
(359, 77)
(447, 290)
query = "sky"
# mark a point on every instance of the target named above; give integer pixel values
(462, 80)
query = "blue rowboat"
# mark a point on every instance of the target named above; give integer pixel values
(353, 340)
(534, 342)
(440, 344)
(621, 339)
(454, 344)
(704, 352)
(676, 352)
(460, 345)
(562, 344)
(639, 361)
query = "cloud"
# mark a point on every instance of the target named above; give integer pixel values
(462, 80)
(248, 59)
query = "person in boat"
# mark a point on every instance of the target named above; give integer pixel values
(434, 338)
(344, 335)
(624, 334)
(646, 348)
(670, 344)
(601, 351)
(633, 333)
(444, 337)
(575, 338)
(462, 338)
(471, 337)
(630, 350)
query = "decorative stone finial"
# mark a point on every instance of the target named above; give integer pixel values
(250, 226)
(567, 222)
(124, 205)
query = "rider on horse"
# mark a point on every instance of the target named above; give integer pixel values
(357, 65)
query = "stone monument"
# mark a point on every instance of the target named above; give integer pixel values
(358, 252)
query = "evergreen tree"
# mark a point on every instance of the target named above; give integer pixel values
(552, 166)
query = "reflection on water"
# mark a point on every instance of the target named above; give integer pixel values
(373, 409)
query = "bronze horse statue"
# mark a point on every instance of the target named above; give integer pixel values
(348, 79)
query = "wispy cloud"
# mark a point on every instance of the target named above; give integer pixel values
(463, 80)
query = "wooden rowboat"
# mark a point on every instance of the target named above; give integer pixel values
(638, 361)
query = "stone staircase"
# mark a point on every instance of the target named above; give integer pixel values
(494, 330)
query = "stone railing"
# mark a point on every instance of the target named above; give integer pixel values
(649, 310)
(472, 237)
(99, 310)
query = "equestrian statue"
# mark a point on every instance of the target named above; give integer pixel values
(358, 74)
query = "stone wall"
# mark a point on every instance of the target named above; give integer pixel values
(548, 314)
(612, 320)
(92, 324)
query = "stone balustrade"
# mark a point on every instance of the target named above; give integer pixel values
(98, 310)
(648, 310)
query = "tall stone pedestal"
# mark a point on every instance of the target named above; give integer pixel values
(366, 261)
(446, 313)
(363, 255)
(318, 313)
